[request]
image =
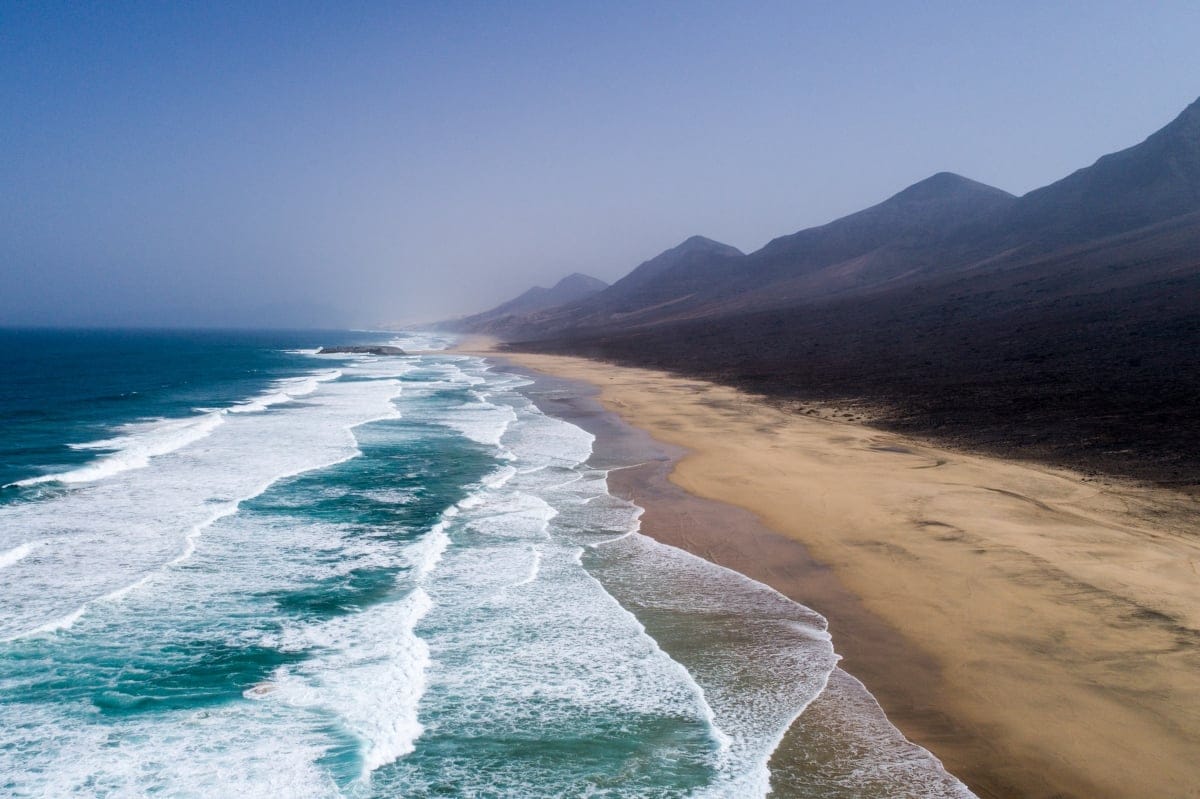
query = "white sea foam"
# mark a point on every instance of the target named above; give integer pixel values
(54, 625)
(140, 442)
(369, 669)
(535, 566)
(17, 553)
(423, 342)
(482, 422)
(424, 555)
(286, 391)
(81, 761)
(851, 748)
(766, 658)
(134, 448)
(112, 535)
(558, 654)
(500, 477)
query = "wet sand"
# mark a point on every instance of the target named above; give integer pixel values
(1034, 629)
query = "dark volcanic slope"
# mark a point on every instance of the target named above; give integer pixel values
(1064, 325)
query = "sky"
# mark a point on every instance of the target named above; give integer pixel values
(333, 164)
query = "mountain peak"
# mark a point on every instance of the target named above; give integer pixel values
(691, 252)
(702, 244)
(947, 185)
(579, 283)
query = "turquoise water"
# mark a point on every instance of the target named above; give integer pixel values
(234, 567)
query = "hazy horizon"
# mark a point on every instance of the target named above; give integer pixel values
(308, 166)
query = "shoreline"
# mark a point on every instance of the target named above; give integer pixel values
(639, 469)
(1045, 679)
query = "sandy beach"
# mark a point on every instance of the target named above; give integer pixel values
(1035, 629)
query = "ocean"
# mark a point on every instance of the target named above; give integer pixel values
(231, 566)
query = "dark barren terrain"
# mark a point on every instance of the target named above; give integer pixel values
(1061, 326)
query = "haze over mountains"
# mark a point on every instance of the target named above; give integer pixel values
(570, 289)
(1063, 324)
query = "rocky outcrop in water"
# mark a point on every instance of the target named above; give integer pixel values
(361, 350)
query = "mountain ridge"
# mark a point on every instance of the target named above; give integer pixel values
(941, 224)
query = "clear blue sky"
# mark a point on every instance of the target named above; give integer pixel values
(240, 163)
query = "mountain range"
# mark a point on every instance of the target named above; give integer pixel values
(1062, 325)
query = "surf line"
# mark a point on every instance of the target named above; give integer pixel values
(191, 538)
